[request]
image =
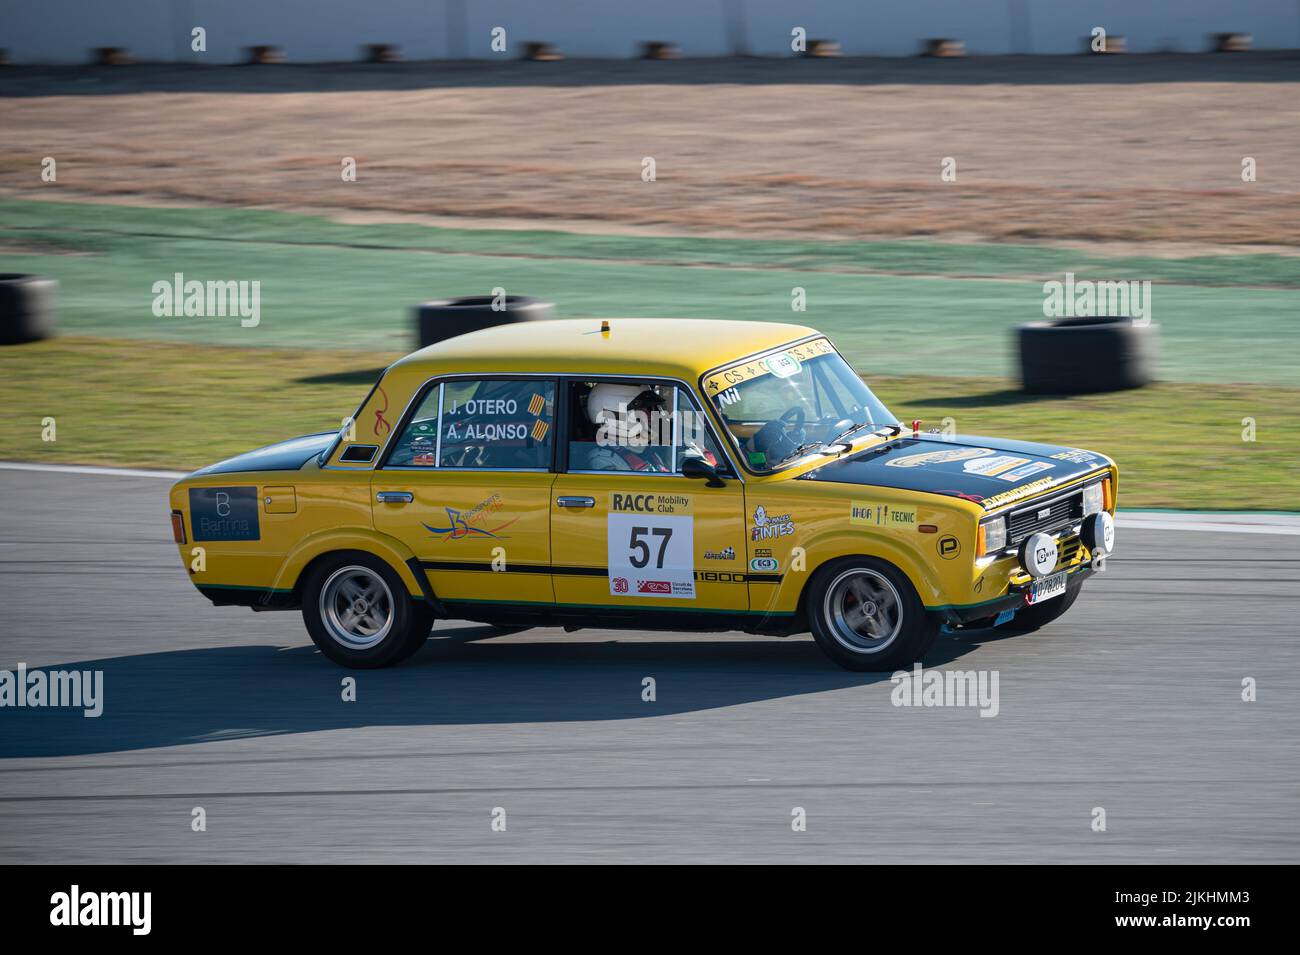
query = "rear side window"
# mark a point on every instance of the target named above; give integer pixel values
(481, 423)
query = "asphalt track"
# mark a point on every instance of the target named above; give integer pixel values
(1131, 702)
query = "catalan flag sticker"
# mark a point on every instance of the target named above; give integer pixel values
(536, 404)
(539, 430)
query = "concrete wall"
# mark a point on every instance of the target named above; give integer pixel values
(63, 31)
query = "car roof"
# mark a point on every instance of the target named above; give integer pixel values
(673, 347)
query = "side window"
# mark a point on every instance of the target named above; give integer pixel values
(650, 427)
(481, 423)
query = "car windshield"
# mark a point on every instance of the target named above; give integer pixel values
(792, 400)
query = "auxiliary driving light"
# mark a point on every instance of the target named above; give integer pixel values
(1098, 534)
(1038, 555)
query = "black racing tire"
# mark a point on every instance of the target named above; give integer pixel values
(905, 633)
(446, 318)
(1036, 616)
(1081, 355)
(26, 308)
(392, 627)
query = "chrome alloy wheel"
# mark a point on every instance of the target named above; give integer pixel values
(863, 610)
(356, 607)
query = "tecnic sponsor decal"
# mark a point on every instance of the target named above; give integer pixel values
(767, 526)
(881, 515)
(937, 457)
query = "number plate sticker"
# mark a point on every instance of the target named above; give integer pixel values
(651, 555)
(1047, 588)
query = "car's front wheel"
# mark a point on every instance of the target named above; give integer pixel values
(865, 615)
(359, 614)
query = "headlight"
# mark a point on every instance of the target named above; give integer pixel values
(1092, 499)
(993, 536)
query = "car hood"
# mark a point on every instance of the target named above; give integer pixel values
(988, 471)
(284, 456)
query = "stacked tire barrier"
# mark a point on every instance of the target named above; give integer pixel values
(439, 320)
(1067, 356)
(26, 308)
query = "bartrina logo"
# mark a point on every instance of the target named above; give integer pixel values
(75, 908)
(926, 688)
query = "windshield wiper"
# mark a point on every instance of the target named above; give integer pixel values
(840, 438)
(858, 426)
(802, 449)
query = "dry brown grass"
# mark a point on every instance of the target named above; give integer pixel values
(1141, 162)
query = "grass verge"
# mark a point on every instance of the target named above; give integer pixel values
(910, 308)
(173, 405)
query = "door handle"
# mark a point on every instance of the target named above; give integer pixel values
(576, 501)
(394, 497)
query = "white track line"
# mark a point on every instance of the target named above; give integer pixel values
(1211, 522)
(82, 469)
(1222, 522)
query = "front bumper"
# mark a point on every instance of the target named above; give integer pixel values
(1013, 599)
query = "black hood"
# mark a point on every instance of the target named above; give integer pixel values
(988, 471)
(284, 456)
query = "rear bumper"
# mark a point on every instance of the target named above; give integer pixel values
(1013, 599)
(254, 597)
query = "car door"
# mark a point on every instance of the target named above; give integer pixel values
(467, 487)
(627, 528)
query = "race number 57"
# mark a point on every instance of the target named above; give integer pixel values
(651, 555)
(639, 546)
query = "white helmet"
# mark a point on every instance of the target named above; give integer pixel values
(610, 402)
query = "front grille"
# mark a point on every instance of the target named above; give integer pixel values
(1050, 516)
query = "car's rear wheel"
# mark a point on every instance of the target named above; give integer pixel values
(1040, 615)
(359, 614)
(865, 615)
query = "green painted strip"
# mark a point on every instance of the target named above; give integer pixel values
(265, 590)
(546, 603)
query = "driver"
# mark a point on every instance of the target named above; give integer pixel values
(622, 415)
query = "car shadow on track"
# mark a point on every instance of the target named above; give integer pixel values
(183, 697)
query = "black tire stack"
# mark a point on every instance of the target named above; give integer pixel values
(446, 318)
(26, 308)
(1067, 356)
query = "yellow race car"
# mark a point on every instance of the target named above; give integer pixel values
(644, 474)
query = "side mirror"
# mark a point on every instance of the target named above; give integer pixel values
(697, 467)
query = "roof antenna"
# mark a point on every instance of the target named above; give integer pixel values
(604, 326)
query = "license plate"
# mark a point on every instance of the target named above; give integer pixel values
(1047, 588)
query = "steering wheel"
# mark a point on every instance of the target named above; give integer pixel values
(794, 419)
